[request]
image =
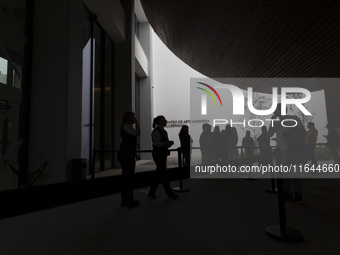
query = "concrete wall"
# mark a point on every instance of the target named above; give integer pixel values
(49, 99)
(111, 17)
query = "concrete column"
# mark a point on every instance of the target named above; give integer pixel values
(146, 100)
(56, 93)
(124, 75)
(49, 90)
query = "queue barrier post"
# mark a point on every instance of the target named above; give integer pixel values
(282, 232)
(180, 165)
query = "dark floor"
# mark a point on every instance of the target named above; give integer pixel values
(219, 216)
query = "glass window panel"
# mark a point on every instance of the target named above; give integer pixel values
(97, 95)
(12, 40)
(3, 70)
(13, 43)
(8, 144)
(17, 76)
(108, 102)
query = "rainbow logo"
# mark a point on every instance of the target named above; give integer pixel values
(209, 93)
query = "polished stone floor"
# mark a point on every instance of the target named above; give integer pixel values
(217, 216)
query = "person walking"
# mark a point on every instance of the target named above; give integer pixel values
(160, 152)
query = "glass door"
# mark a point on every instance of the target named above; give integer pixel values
(97, 98)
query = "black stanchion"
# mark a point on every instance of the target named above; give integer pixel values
(180, 188)
(93, 164)
(180, 164)
(273, 188)
(282, 232)
(249, 177)
(278, 160)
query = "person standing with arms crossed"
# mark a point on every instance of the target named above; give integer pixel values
(127, 156)
(160, 152)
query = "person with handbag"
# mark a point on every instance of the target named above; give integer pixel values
(160, 152)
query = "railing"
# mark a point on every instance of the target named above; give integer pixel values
(241, 149)
(237, 161)
(241, 153)
(95, 151)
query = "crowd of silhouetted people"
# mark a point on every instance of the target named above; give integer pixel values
(294, 145)
(218, 146)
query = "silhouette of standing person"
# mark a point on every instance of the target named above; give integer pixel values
(126, 156)
(216, 145)
(233, 139)
(333, 143)
(248, 144)
(264, 145)
(186, 142)
(290, 144)
(205, 144)
(225, 144)
(310, 141)
(160, 152)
